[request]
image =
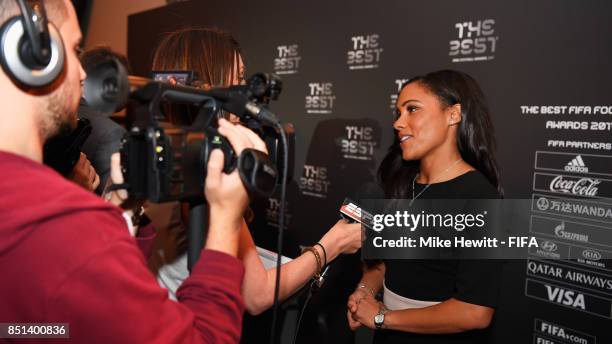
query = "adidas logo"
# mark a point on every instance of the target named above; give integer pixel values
(576, 165)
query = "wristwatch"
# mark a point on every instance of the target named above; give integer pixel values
(379, 319)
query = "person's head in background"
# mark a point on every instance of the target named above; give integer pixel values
(213, 54)
(99, 54)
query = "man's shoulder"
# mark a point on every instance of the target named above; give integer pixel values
(30, 191)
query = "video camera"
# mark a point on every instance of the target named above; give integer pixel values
(63, 151)
(165, 159)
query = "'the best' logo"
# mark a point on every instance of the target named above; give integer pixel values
(365, 52)
(476, 41)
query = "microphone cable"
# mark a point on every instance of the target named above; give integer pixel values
(281, 228)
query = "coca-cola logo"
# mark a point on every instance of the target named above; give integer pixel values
(580, 187)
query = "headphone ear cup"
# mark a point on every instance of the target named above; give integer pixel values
(20, 68)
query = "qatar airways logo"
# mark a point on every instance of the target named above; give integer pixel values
(476, 41)
(581, 187)
(288, 60)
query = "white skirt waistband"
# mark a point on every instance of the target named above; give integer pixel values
(395, 302)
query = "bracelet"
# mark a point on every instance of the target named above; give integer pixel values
(324, 252)
(318, 258)
(361, 285)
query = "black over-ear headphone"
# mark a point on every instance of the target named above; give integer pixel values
(31, 49)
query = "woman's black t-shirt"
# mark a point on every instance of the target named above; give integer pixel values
(472, 281)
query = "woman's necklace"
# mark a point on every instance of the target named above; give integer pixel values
(427, 186)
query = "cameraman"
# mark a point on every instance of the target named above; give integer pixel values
(65, 254)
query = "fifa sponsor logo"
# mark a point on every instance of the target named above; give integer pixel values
(321, 98)
(359, 143)
(365, 52)
(288, 60)
(314, 181)
(576, 165)
(552, 330)
(548, 249)
(476, 41)
(591, 254)
(398, 86)
(543, 204)
(565, 297)
(580, 187)
(561, 233)
(548, 246)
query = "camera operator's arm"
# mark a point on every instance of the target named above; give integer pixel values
(211, 307)
(259, 283)
(226, 195)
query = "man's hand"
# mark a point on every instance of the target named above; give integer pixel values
(83, 174)
(225, 193)
(116, 177)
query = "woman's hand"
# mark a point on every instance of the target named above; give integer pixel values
(367, 309)
(353, 303)
(343, 237)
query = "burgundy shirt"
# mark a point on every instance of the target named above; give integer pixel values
(66, 257)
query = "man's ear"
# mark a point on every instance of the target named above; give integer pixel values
(454, 112)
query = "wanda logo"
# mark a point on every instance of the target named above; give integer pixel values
(580, 187)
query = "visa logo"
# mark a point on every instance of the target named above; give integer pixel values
(565, 297)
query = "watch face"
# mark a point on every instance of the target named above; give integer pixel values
(379, 318)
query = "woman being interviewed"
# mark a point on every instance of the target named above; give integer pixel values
(215, 57)
(444, 148)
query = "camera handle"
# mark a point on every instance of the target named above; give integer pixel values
(196, 232)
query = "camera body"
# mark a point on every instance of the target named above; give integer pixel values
(166, 160)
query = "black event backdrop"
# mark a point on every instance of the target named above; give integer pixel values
(544, 67)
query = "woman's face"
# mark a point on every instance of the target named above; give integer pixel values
(422, 124)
